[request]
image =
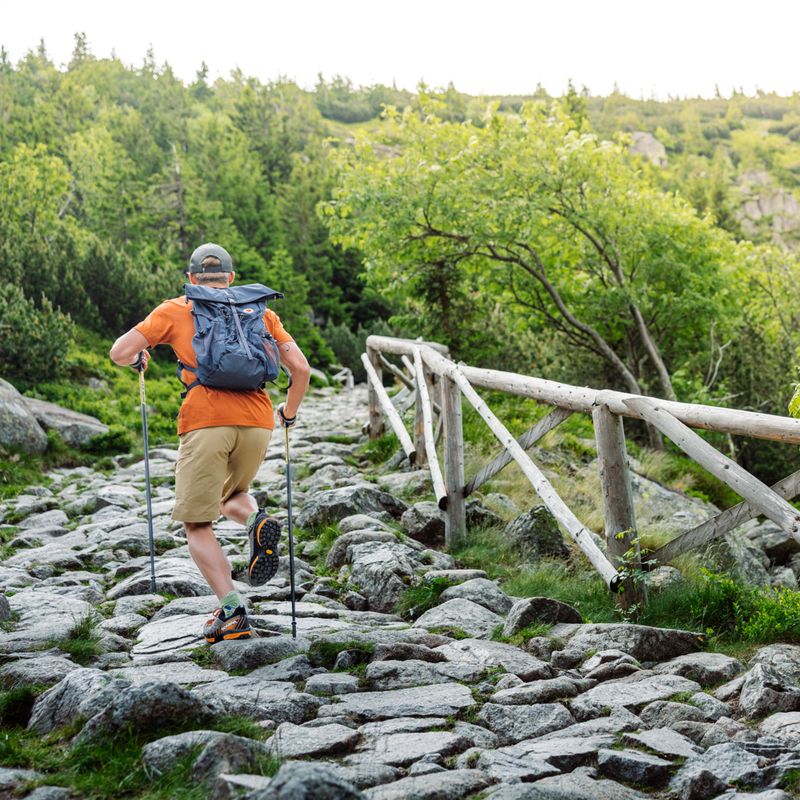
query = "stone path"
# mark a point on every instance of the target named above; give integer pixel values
(365, 703)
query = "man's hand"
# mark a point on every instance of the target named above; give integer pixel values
(140, 365)
(286, 422)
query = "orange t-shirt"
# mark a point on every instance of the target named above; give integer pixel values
(172, 323)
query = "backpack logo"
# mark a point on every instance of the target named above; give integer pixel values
(233, 347)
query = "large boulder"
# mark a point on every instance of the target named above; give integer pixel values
(463, 614)
(424, 522)
(76, 429)
(481, 591)
(382, 571)
(531, 610)
(330, 506)
(536, 534)
(640, 641)
(19, 429)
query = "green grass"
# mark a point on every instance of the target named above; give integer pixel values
(82, 642)
(416, 600)
(379, 450)
(523, 636)
(16, 704)
(323, 653)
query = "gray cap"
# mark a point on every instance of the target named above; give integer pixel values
(210, 249)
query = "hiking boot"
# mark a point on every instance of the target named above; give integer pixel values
(220, 627)
(264, 534)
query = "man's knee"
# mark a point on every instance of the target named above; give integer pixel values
(196, 527)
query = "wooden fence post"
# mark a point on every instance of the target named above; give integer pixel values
(618, 499)
(455, 524)
(375, 417)
(419, 428)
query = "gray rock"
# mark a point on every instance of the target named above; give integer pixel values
(338, 554)
(708, 669)
(664, 714)
(563, 752)
(663, 741)
(706, 774)
(37, 671)
(476, 735)
(166, 638)
(439, 700)
(184, 673)
(261, 700)
(123, 625)
(536, 534)
(402, 749)
(478, 516)
(402, 725)
(230, 787)
(785, 658)
(365, 774)
(783, 725)
(539, 610)
(609, 665)
(5, 608)
(542, 691)
(481, 591)
(403, 651)
(160, 755)
(303, 781)
(640, 641)
(178, 576)
(632, 692)
(767, 690)
(361, 522)
(49, 793)
(80, 695)
(502, 767)
(578, 785)
(424, 522)
(76, 429)
(55, 518)
(335, 504)
(736, 554)
(449, 785)
(333, 683)
(632, 766)
(294, 741)
(252, 653)
(470, 617)
(512, 724)
(711, 708)
(145, 708)
(496, 654)
(19, 429)
(646, 145)
(382, 571)
(382, 675)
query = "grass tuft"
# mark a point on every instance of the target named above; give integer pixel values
(323, 653)
(82, 642)
(416, 600)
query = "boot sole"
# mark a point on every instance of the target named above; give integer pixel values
(226, 636)
(264, 551)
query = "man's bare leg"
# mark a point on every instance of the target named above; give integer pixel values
(207, 554)
(239, 507)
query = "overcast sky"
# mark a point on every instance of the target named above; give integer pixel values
(680, 48)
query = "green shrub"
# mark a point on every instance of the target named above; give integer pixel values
(323, 653)
(416, 600)
(34, 338)
(16, 705)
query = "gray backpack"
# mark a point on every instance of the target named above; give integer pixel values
(234, 350)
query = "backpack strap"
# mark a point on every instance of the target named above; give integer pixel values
(186, 386)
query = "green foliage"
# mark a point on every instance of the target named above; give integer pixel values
(16, 704)
(376, 451)
(323, 653)
(82, 642)
(35, 338)
(417, 599)
(522, 636)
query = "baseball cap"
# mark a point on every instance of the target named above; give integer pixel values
(210, 249)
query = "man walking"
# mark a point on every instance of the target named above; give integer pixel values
(224, 436)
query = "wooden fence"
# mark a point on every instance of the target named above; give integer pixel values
(435, 385)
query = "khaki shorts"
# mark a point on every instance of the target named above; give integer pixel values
(213, 464)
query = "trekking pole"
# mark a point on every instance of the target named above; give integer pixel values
(140, 365)
(291, 533)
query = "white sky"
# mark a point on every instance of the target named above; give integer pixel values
(680, 48)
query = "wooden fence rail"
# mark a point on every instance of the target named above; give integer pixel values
(425, 366)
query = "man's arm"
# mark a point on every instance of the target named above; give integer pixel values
(293, 359)
(125, 351)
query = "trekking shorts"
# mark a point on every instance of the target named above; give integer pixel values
(213, 464)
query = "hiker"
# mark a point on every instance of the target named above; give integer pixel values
(224, 433)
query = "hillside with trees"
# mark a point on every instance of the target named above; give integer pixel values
(638, 244)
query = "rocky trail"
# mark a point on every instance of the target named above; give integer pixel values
(364, 703)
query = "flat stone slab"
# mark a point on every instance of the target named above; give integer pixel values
(707, 669)
(180, 632)
(508, 769)
(641, 641)
(44, 616)
(184, 673)
(578, 785)
(449, 785)
(631, 692)
(383, 675)
(294, 741)
(785, 725)
(461, 613)
(403, 749)
(513, 724)
(496, 654)
(39, 671)
(565, 753)
(274, 700)
(437, 700)
(664, 741)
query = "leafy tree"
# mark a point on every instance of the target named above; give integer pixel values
(534, 212)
